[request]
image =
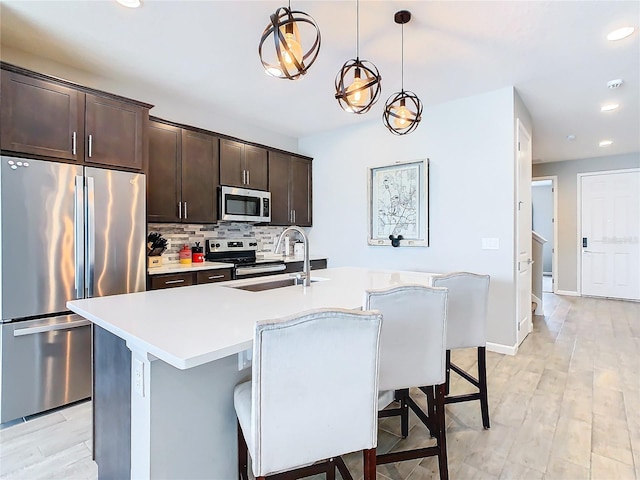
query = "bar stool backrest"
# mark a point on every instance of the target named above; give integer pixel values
(314, 388)
(467, 312)
(412, 343)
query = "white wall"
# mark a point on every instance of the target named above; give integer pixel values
(168, 105)
(470, 144)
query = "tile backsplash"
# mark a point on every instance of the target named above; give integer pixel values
(180, 233)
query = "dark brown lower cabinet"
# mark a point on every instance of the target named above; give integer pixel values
(171, 280)
(111, 405)
(294, 267)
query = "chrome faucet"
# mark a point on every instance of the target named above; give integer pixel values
(306, 270)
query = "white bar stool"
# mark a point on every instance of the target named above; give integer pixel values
(313, 397)
(412, 354)
(466, 328)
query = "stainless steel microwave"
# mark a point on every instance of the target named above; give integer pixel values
(244, 205)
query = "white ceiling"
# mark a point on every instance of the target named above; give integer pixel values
(554, 52)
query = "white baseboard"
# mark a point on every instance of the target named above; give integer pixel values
(539, 309)
(504, 349)
(568, 293)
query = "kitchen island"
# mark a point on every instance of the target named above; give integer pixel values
(187, 355)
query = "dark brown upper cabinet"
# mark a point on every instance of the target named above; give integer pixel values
(114, 132)
(41, 118)
(58, 120)
(199, 177)
(243, 165)
(290, 187)
(182, 175)
(164, 177)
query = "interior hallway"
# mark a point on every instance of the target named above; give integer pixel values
(566, 407)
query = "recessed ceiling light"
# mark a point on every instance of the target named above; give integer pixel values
(571, 137)
(608, 107)
(130, 3)
(620, 33)
(605, 143)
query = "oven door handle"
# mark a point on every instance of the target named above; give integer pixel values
(241, 271)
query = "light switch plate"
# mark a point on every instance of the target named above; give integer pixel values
(491, 244)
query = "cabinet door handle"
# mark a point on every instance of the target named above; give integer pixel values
(180, 210)
(294, 216)
(73, 143)
(213, 277)
(185, 210)
(244, 177)
(90, 145)
(170, 282)
(248, 178)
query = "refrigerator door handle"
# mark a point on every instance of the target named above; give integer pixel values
(91, 236)
(19, 332)
(78, 235)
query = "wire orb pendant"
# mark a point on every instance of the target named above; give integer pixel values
(402, 112)
(289, 59)
(358, 95)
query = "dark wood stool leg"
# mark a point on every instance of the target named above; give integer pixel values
(331, 470)
(431, 403)
(404, 417)
(442, 434)
(369, 457)
(482, 380)
(448, 372)
(243, 458)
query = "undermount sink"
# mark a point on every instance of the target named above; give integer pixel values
(284, 282)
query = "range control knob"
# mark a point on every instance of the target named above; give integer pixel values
(217, 245)
(253, 244)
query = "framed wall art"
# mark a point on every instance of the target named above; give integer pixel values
(399, 204)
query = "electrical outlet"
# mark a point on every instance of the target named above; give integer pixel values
(244, 359)
(138, 377)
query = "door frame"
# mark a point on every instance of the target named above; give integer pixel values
(521, 127)
(556, 243)
(579, 218)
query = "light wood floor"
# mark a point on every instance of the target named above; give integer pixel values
(566, 407)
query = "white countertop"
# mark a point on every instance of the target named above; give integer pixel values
(189, 326)
(176, 267)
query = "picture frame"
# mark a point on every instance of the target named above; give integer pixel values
(399, 204)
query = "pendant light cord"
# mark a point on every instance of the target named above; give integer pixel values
(402, 67)
(357, 29)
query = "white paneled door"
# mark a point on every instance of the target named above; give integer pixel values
(523, 274)
(610, 219)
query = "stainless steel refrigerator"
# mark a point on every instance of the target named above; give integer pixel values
(67, 232)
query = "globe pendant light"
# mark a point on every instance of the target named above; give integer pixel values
(289, 59)
(403, 110)
(363, 91)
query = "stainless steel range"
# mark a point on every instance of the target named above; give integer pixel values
(242, 253)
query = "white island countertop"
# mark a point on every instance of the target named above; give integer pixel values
(190, 326)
